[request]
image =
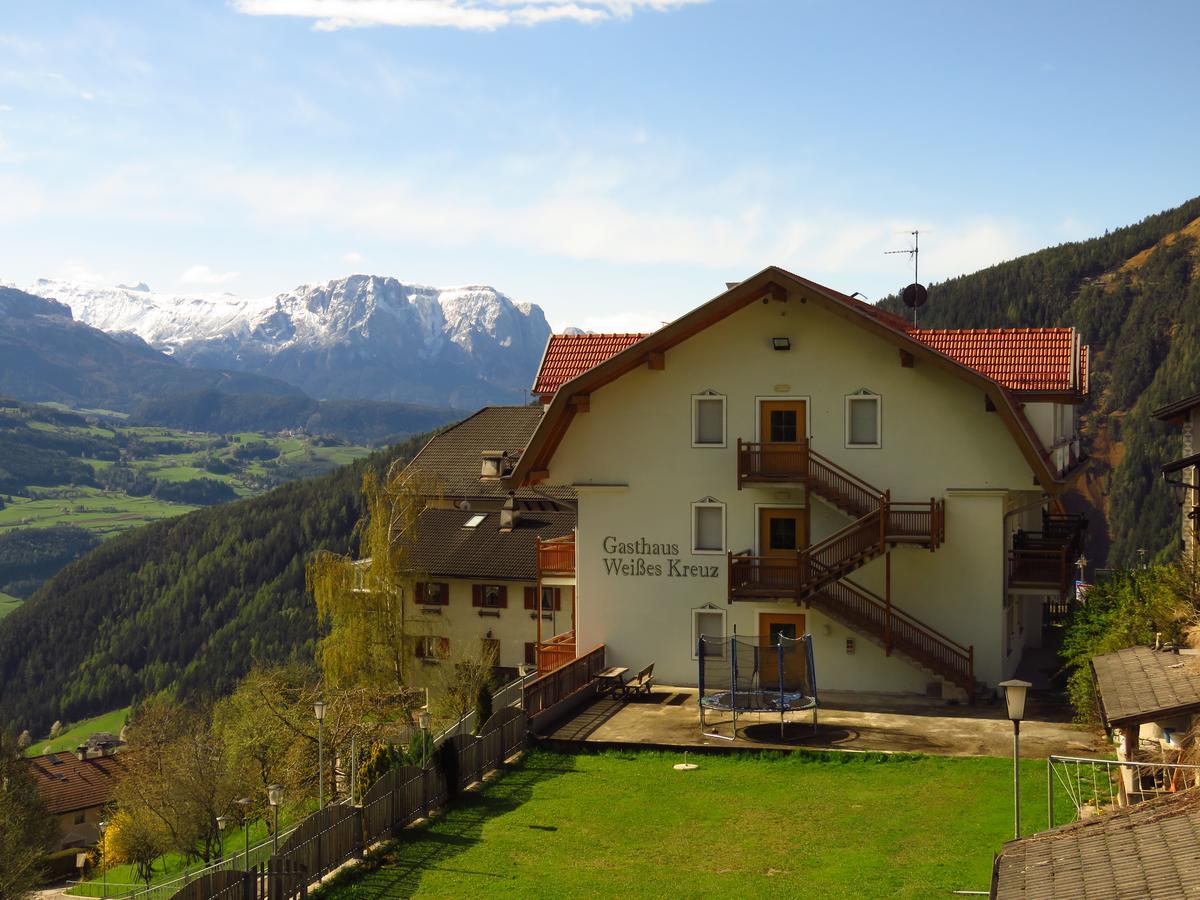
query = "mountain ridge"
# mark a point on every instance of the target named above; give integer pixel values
(357, 337)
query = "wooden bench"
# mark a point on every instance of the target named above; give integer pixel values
(641, 684)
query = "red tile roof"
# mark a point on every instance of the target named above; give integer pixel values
(68, 784)
(569, 355)
(1020, 359)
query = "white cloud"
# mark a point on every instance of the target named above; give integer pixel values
(203, 275)
(353, 257)
(476, 15)
(4, 107)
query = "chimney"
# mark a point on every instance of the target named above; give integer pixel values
(496, 464)
(509, 514)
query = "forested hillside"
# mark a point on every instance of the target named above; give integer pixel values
(1135, 296)
(188, 603)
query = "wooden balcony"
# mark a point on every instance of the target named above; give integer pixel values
(556, 652)
(1046, 559)
(765, 463)
(556, 556)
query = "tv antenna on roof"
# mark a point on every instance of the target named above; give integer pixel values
(915, 294)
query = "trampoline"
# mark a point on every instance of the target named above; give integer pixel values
(745, 674)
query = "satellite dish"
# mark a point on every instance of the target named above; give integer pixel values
(914, 295)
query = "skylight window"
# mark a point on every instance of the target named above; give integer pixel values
(474, 521)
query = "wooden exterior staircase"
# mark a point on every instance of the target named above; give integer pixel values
(818, 574)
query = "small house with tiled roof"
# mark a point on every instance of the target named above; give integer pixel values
(1150, 851)
(76, 787)
(787, 459)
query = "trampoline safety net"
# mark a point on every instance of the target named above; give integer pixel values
(752, 674)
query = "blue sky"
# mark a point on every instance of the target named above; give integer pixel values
(615, 161)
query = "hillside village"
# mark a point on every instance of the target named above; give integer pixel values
(606, 448)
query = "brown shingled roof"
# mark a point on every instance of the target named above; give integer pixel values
(1148, 850)
(1140, 684)
(67, 784)
(445, 548)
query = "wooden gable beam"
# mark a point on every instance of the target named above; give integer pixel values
(776, 292)
(656, 360)
(582, 402)
(906, 359)
(537, 476)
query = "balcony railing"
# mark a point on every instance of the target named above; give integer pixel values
(767, 462)
(557, 651)
(556, 556)
(1040, 567)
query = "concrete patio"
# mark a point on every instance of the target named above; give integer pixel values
(853, 722)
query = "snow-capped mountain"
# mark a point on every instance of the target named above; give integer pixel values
(361, 337)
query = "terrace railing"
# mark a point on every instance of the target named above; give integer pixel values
(565, 684)
(556, 652)
(556, 556)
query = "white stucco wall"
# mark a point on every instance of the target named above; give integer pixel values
(938, 440)
(462, 623)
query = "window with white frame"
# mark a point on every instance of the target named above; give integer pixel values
(708, 526)
(708, 622)
(708, 420)
(864, 416)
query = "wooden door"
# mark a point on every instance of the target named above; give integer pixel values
(782, 530)
(783, 432)
(772, 626)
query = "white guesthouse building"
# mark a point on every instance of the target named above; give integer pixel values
(785, 458)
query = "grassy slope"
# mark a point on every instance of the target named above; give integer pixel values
(626, 824)
(109, 513)
(75, 735)
(8, 603)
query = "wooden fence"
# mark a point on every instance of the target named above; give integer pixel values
(330, 837)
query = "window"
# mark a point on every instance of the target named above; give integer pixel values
(708, 420)
(708, 622)
(781, 533)
(432, 648)
(708, 526)
(489, 596)
(80, 818)
(551, 598)
(474, 521)
(432, 593)
(863, 420)
(783, 426)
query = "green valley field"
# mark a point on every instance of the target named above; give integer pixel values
(626, 824)
(70, 480)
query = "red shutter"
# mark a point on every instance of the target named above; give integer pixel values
(502, 599)
(444, 594)
(420, 652)
(419, 594)
(531, 653)
(558, 598)
(530, 599)
(477, 595)
(444, 648)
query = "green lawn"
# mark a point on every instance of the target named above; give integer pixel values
(75, 735)
(8, 603)
(626, 824)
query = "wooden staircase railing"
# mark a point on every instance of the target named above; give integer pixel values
(843, 489)
(865, 611)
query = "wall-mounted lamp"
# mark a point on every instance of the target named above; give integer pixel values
(781, 343)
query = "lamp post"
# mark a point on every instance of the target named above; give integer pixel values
(1014, 696)
(103, 827)
(423, 724)
(244, 803)
(221, 823)
(275, 798)
(319, 712)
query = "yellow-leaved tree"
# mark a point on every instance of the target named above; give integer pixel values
(368, 640)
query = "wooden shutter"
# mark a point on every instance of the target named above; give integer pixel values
(419, 592)
(444, 594)
(420, 651)
(530, 599)
(557, 598)
(443, 648)
(477, 595)
(531, 653)
(502, 597)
